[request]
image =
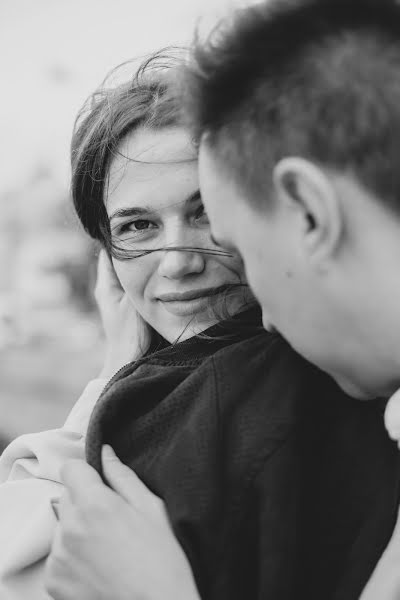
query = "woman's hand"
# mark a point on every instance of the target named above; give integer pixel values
(127, 334)
(114, 543)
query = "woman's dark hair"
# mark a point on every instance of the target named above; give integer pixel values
(148, 99)
(111, 113)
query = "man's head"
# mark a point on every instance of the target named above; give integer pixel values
(297, 109)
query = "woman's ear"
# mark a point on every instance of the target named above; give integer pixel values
(305, 187)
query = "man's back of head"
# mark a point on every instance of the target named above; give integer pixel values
(296, 104)
(318, 78)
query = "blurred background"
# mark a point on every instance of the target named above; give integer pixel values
(53, 54)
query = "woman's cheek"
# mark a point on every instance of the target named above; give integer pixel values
(236, 267)
(131, 280)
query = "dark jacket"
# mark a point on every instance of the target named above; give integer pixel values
(278, 485)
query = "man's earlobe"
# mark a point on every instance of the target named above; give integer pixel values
(307, 189)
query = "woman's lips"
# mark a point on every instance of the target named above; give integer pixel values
(184, 304)
(191, 294)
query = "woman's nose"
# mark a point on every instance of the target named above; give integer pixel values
(175, 264)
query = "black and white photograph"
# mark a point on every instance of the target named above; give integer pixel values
(200, 300)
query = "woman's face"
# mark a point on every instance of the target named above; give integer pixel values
(155, 203)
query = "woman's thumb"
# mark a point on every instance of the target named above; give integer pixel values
(124, 481)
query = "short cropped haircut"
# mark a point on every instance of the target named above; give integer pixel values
(313, 78)
(107, 117)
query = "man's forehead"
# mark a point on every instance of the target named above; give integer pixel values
(224, 241)
(206, 160)
(214, 184)
(221, 197)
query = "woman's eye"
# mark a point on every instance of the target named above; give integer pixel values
(201, 215)
(138, 225)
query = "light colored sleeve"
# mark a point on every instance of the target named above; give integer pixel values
(30, 477)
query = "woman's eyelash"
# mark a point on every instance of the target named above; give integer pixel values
(200, 212)
(129, 225)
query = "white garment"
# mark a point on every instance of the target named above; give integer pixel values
(384, 583)
(30, 477)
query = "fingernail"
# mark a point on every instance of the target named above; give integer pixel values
(108, 452)
(55, 505)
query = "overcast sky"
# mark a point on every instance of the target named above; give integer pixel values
(53, 53)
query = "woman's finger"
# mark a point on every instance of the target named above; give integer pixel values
(125, 482)
(107, 279)
(81, 481)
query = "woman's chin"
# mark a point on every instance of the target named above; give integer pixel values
(184, 328)
(179, 321)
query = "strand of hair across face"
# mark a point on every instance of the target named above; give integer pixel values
(123, 254)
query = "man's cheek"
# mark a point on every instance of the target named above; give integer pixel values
(267, 321)
(256, 282)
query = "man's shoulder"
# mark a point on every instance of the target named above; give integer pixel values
(267, 376)
(267, 396)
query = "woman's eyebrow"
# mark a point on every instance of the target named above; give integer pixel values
(131, 211)
(135, 211)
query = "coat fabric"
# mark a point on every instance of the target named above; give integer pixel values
(278, 485)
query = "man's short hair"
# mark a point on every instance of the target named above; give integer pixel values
(313, 78)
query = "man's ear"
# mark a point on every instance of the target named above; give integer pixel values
(304, 187)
